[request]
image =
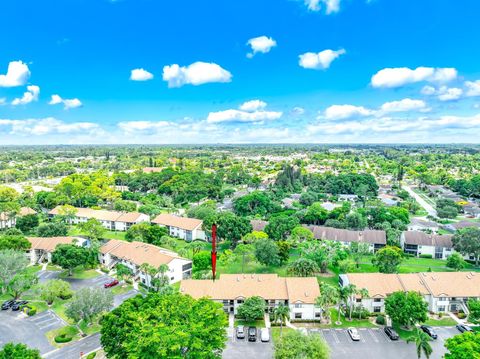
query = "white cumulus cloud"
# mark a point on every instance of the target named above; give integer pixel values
(443, 93)
(45, 126)
(407, 104)
(320, 60)
(67, 103)
(197, 73)
(316, 5)
(29, 96)
(250, 111)
(140, 75)
(262, 44)
(473, 88)
(253, 105)
(341, 112)
(17, 75)
(400, 76)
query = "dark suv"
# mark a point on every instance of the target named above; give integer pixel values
(19, 305)
(252, 334)
(429, 330)
(464, 328)
(6, 305)
(391, 333)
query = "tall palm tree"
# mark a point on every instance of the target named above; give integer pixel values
(329, 296)
(349, 293)
(281, 314)
(422, 341)
(149, 271)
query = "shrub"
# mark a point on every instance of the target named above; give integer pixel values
(31, 310)
(66, 296)
(426, 256)
(380, 320)
(105, 270)
(91, 355)
(461, 315)
(63, 338)
(363, 313)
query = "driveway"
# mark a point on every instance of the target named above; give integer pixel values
(16, 327)
(73, 350)
(374, 344)
(119, 299)
(88, 283)
(428, 207)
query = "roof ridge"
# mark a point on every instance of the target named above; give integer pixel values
(401, 282)
(424, 282)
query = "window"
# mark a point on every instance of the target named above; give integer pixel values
(239, 301)
(186, 266)
(317, 315)
(441, 308)
(298, 305)
(377, 300)
(376, 309)
(358, 300)
(298, 315)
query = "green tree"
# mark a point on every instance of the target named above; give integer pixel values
(254, 203)
(358, 250)
(300, 234)
(70, 256)
(303, 267)
(346, 265)
(280, 315)
(266, 252)
(202, 261)
(467, 242)
(356, 221)
(406, 308)
(474, 308)
(422, 343)
(165, 326)
(123, 271)
(295, 345)
(463, 346)
(52, 229)
(323, 253)
(18, 351)
(93, 229)
(27, 223)
(232, 227)
(55, 288)
(329, 296)
(88, 303)
(20, 283)
(253, 308)
(456, 261)
(315, 214)
(15, 242)
(279, 227)
(253, 236)
(388, 259)
(245, 252)
(11, 263)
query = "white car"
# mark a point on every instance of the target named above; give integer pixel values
(353, 332)
(264, 335)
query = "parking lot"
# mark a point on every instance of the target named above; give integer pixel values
(243, 349)
(16, 327)
(375, 344)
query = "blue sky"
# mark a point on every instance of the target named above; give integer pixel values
(149, 71)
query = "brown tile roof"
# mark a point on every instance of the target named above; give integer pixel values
(465, 224)
(23, 212)
(267, 286)
(258, 225)
(139, 252)
(49, 243)
(425, 239)
(345, 235)
(170, 220)
(103, 215)
(438, 284)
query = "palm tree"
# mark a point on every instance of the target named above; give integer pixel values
(349, 293)
(363, 294)
(281, 313)
(329, 296)
(422, 341)
(150, 271)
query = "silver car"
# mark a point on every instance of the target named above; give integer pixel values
(353, 332)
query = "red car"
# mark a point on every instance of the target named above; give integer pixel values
(113, 283)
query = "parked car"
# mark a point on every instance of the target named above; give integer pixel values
(264, 335)
(113, 283)
(240, 332)
(391, 333)
(7, 304)
(252, 334)
(464, 328)
(353, 332)
(18, 305)
(429, 330)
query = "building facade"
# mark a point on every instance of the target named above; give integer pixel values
(420, 243)
(188, 229)
(43, 247)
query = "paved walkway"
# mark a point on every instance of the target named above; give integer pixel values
(266, 317)
(428, 207)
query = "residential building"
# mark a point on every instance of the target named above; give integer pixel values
(134, 254)
(420, 243)
(111, 220)
(329, 206)
(443, 291)
(258, 225)
(418, 224)
(376, 239)
(232, 289)
(8, 221)
(43, 247)
(347, 197)
(185, 228)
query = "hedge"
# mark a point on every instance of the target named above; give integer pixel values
(91, 355)
(426, 256)
(31, 311)
(380, 320)
(62, 338)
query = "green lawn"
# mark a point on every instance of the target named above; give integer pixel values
(70, 330)
(402, 333)
(120, 289)
(58, 307)
(444, 322)
(33, 269)
(345, 323)
(80, 273)
(75, 231)
(276, 332)
(255, 323)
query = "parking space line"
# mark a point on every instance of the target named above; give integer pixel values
(375, 339)
(335, 337)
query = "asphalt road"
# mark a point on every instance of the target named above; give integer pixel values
(243, 349)
(73, 350)
(431, 211)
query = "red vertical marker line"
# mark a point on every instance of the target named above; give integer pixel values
(214, 250)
